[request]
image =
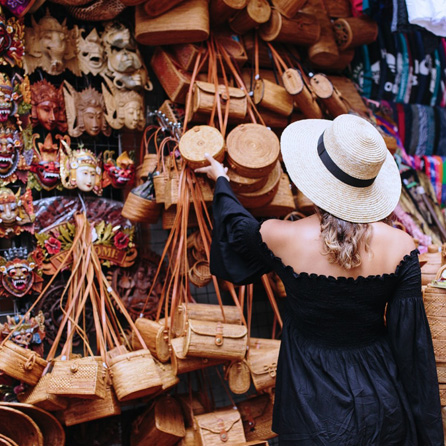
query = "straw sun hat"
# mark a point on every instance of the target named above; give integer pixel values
(343, 166)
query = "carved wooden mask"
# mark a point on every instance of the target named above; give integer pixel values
(91, 53)
(120, 173)
(51, 46)
(48, 106)
(80, 169)
(16, 212)
(124, 61)
(85, 111)
(11, 41)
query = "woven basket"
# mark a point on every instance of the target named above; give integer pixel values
(271, 96)
(182, 364)
(21, 363)
(148, 165)
(134, 375)
(168, 376)
(220, 427)
(188, 22)
(6, 441)
(174, 80)
(40, 397)
(215, 340)
(141, 210)
(200, 273)
(154, 8)
(241, 184)
(328, 94)
(264, 195)
(221, 11)
(20, 427)
(288, 8)
(351, 32)
(442, 394)
(155, 336)
(98, 10)
(82, 410)
(441, 372)
(162, 424)
(430, 261)
(79, 377)
(262, 360)
(252, 150)
(238, 376)
(52, 431)
(199, 140)
(303, 29)
(257, 414)
(255, 13)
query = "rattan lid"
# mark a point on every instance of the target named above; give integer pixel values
(242, 184)
(271, 184)
(271, 29)
(322, 86)
(253, 146)
(199, 140)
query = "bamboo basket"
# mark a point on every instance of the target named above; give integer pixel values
(134, 375)
(257, 414)
(324, 52)
(351, 32)
(186, 54)
(338, 8)
(19, 427)
(324, 90)
(262, 360)
(199, 140)
(155, 8)
(182, 364)
(255, 13)
(252, 150)
(5, 441)
(21, 363)
(273, 97)
(220, 427)
(162, 424)
(83, 410)
(78, 377)
(188, 22)
(174, 80)
(40, 397)
(303, 29)
(238, 376)
(442, 388)
(156, 337)
(141, 210)
(288, 8)
(303, 97)
(265, 195)
(51, 429)
(148, 165)
(220, 11)
(215, 340)
(204, 96)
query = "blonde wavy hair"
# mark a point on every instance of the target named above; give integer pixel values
(342, 239)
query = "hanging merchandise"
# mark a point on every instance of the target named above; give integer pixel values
(16, 212)
(119, 173)
(47, 50)
(11, 47)
(15, 98)
(85, 111)
(91, 54)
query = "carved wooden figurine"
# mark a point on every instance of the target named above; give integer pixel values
(91, 53)
(16, 212)
(120, 173)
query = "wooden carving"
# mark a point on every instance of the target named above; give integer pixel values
(85, 111)
(16, 212)
(125, 65)
(80, 169)
(120, 173)
(91, 53)
(48, 106)
(11, 41)
(11, 97)
(50, 45)
(124, 108)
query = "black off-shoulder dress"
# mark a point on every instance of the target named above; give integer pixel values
(345, 377)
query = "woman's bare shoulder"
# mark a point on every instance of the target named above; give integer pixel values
(395, 242)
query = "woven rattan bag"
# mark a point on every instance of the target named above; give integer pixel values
(21, 363)
(156, 335)
(162, 424)
(215, 340)
(78, 377)
(257, 415)
(134, 375)
(238, 375)
(220, 428)
(262, 360)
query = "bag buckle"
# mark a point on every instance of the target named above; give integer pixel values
(271, 369)
(219, 334)
(223, 432)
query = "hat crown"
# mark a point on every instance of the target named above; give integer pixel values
(355, 146)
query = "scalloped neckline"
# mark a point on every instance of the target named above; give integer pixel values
(297, 275)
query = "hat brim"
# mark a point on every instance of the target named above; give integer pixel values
(355, 204)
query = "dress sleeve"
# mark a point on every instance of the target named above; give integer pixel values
(235, 250)
(411, 342)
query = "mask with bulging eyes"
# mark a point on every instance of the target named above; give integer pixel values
(119, 173)
(16, 212)
(91, 53)
(27, 331)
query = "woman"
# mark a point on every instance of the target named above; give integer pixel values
(356, 365)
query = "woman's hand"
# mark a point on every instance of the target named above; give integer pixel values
(214, 170)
